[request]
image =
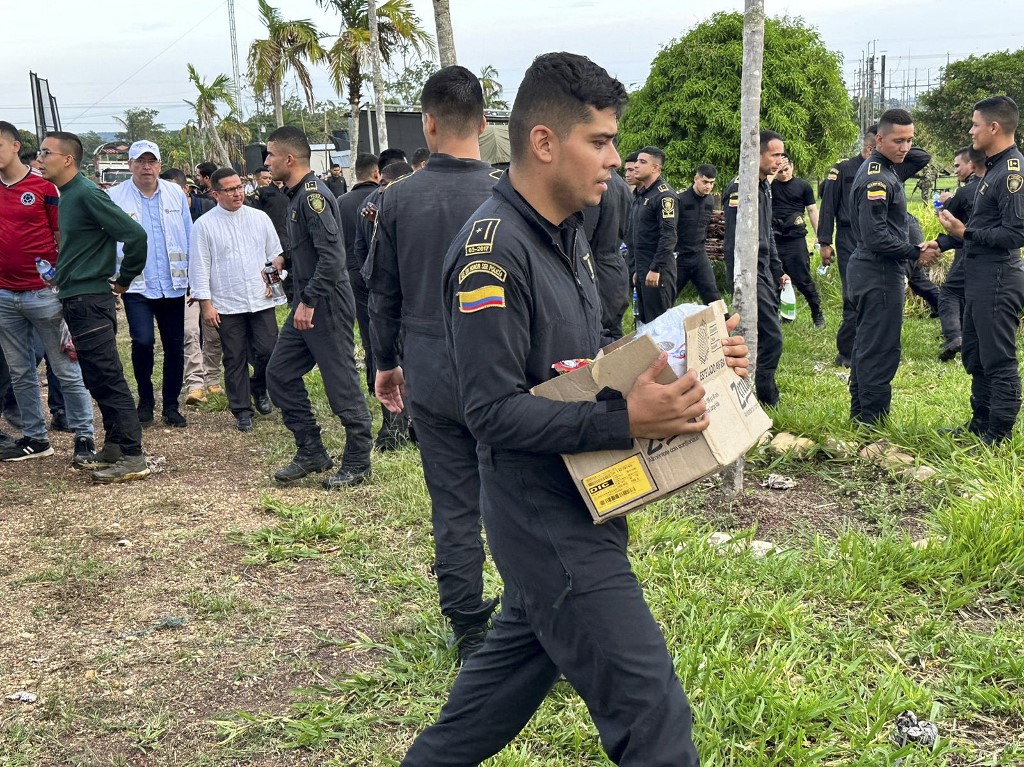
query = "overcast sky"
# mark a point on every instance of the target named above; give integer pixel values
(102, 57)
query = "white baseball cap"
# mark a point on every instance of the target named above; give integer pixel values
(139, 148)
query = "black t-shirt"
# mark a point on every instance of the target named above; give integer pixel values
(789, 199)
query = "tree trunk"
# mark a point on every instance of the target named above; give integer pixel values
(445, 36)
(744, 298)
(378, 77)
(275, 96)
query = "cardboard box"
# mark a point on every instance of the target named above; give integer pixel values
(616, 482)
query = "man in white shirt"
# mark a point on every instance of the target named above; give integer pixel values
(229, 249)
(158, 294)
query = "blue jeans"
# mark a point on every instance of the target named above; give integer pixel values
(20, 312)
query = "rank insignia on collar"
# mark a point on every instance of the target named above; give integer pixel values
(1013, 164)
(481, 236)
(663, 188)
(316, 202)
(875, 167)
(1014, 182)
(310, 186)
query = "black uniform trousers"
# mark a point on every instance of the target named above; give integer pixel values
(451, 471)
(613, 287)
(951, 299)
(654, 302)
(769, 341)
(919, 282)
(797, 263)
(995, 297)
(847, 334)
(329, 345)
(877, 290)
(169, 315)
(92, 322)
(572, 605)
(246, 337)
(696, 268)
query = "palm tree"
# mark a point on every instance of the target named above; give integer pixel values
(289, 45)
(445, 36)
(492, 88)
(397, 24)
(205, 107)
(235, 135)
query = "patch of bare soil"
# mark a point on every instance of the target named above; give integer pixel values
(134, 619)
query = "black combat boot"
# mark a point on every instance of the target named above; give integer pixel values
(309, 458)
(470, 629)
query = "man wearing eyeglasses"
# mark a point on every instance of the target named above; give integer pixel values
(91, 226)
(158, 294)
(228, 251)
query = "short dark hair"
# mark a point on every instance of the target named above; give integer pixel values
(335, 165)
(388, 156)
(71, 142)
(892, 117)
(294, 140)
(654, 152)
(632, 158)
(174, 175)
(454, 97)
(871, 131)
(263, 169)
(559, 90)
(219, 175)
(974, 155)
(366, 164)
(8, 130)
(1002, 110)
(707, 171)
(206, 168)
(766, 137)
(420, 155)
(396, 170)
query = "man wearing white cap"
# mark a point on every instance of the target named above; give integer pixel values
(158, 294)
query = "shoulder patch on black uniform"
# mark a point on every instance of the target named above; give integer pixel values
(481, 236)
(833, 174)
(310, 186)
(1012, 163)
(486, 267)
(1014, 182)
(874, 167)
(663, 188)
(316, 202)
(668, 207)
(734, 200)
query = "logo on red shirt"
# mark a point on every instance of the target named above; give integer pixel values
(28, 198)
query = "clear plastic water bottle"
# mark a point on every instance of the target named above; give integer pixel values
(47, 273)
(823, 270)
(936, 201)
(636, 304)
(275, 284)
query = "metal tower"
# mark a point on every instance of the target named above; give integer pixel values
(234, 59)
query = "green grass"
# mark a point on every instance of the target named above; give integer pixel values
(803, 658)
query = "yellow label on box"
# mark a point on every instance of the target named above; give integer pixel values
(618, 484)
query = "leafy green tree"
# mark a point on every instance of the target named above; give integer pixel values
(209, 97)
(945, 111)
(288, 47)
(397, 25)
(690, 104)
(139, 124)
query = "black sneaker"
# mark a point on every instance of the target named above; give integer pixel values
(346, 478)
(175, 418)
(819, 321)
(26, 448)
(243, 422)
(85, 451)
(105, 458)
(843, 362)
(59, 422)
(145, 410)
(950, 350)
(303, 464)
(263, 404)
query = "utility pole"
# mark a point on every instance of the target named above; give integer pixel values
(234, 59)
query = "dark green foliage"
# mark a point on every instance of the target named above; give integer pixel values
(946, 110)
(690, 104)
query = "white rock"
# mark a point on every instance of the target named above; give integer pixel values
(761, 549)
(22, 696)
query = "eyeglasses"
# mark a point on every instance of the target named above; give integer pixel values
(145, 163)
(44, 153)
(232, 190)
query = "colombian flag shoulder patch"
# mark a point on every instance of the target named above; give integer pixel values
(487, 297)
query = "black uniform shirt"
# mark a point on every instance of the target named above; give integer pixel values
(653, 228)
(521, 294)
(318, 251)
(878, 204)
(694, 215)
(605, 223)
(418, 216)
(274, 202)
(337, 186)
(769, 264)
(789, 202)
(349, 205)
(995, 230)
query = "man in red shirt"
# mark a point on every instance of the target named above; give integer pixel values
(28, 230)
